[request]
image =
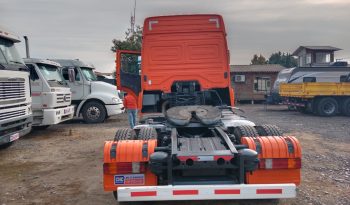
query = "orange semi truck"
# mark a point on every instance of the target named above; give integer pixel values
(191, 144)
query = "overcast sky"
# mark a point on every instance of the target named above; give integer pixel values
(84, 29)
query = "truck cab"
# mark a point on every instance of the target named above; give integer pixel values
(50, 93)
(94, 100)
(191, 143)
(15, 100)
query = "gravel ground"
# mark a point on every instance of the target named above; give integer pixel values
(63, 164)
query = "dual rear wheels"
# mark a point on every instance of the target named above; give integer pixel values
(250, 131)
(327, 106)
(145, 133)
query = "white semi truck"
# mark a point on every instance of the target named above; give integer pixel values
(15, 101)
(50, 93)
(94, 100)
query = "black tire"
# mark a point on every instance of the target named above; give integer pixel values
(327, 106)
(269, 130)
(7, 145)
(346, 107)
(125, 134)
(115, 194)
(147, 133)
(244, 131)
(94, 112)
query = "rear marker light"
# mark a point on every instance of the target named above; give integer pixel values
(280, 163)
(185, 192)
(143, 193)
(124, 168)
(227, 191)
(269, 191)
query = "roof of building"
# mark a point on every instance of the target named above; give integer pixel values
(266, 68)
(315, 48)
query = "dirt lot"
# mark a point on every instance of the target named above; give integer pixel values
(62, 165)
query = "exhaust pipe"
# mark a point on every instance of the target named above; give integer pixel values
(27, 46)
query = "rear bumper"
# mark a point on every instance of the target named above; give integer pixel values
(58, 115)
(206, 192)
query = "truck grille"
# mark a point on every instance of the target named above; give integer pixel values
(12, 89)
(61, 98)
(11, 114)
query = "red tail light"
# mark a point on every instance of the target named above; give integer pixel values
(124, 168)
(280, 163)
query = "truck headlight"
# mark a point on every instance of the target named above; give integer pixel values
(115, 100)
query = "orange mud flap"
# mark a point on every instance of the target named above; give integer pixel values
(125, 164)
(280, 160)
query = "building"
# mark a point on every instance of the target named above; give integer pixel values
(315, 55)
(253, 82)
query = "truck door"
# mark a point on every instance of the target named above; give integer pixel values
(76, 87)
(128, 72)
(36, 87)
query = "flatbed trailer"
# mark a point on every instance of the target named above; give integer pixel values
(322, 98)
(191, 143)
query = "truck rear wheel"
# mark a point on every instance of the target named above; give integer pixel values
(147, 133)
(346, 107)
(115, 194)
(269, 130)
(94, 112)
(125, 134)
(244, 131)
(327, 106)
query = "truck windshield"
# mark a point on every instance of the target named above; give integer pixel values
(8, 53)
(88, 73)
(50, 72)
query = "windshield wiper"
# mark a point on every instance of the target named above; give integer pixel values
(2, 66)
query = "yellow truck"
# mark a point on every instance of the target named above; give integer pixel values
(321, 98)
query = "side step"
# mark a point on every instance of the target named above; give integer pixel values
(206, 192)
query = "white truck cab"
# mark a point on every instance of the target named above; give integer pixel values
(51, 96)
(15, 101)
(94, 100)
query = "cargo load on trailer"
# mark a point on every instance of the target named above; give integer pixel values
(191, 143)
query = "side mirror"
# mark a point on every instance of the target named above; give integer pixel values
(71, 75)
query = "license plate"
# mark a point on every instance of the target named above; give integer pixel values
(129, 179)
(14, 137)
(67, 110)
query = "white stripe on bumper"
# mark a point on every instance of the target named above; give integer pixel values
(206, 192)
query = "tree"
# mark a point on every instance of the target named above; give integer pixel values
(258, 60)
(132, 41)
(284, 59)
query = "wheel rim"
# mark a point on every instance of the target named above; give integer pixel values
(329, 108)
(93, 113)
